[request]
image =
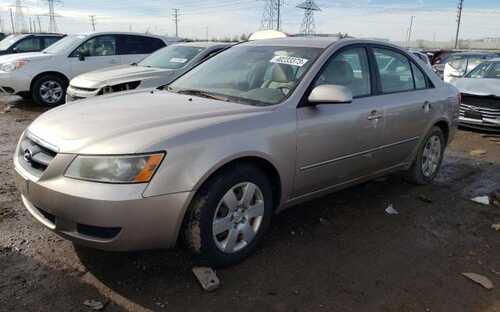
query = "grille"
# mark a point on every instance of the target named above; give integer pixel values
(120, 87)
(479, 107)
(35, 157)
(83, 89)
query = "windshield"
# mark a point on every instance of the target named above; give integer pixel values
(254, 75)
(8, 41)
(65, 43)
(171, 57)
(486, 70)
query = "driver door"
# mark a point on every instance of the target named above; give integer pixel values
(337, 142)
(96, 53)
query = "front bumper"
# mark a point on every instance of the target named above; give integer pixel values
(103, 216)
(74, 93)
(483, 124)
(14, 83)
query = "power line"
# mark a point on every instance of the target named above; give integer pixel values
(176, 21)
(92, 22)
(459, 21)
(308, 25)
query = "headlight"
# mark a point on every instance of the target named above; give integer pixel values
(115, 169)
(11, 66)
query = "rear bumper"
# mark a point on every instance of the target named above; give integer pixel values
(104, 216)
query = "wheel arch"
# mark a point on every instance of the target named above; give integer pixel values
(444, 125)
(55, 73)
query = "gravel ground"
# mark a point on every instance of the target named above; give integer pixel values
(338, 253)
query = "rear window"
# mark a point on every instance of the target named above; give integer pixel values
(139, 45)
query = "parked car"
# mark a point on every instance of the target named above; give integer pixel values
(45, 75)
(255, 129)
(158, 69)
(480, 107)
(21, 43)
(459, 64)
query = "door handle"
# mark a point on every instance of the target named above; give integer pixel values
(374, 115)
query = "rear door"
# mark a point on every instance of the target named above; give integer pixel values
(134, 48)
(97, 53)
(337, 142)
(408, 100)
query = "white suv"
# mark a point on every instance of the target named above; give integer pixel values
(44, 76)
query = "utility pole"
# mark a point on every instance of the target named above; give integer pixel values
(176, 21)
(92, 21)
(206, 32)
(278, 9)
(39, 23)
(459, 21)
(410, 30)
(271, 17)
(52, 15)
(29, 22)
(12, 21)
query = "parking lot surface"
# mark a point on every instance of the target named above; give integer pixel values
(342, 252)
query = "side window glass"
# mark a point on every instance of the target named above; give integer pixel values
(419, 76)
(50, 41)
(349, 69)
(395, 71)
(98, 46)
(140, 45)
(28, 45)
(494, 72)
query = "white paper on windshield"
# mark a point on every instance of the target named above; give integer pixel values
(289, 60)
(178, 60)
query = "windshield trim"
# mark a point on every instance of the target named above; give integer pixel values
(257, 103)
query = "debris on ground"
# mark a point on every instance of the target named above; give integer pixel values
(483, 200)
(391, 211)
(496, 227)
(478, 152)
(94, 304)
(425, 199)
(207, 278)
(479, 279)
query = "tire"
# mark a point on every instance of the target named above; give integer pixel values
(423, 174)
(209, 208)
(49, 90)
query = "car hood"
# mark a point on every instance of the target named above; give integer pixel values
(119, 74)
(481, 87)
(130, 123)
(31, 56)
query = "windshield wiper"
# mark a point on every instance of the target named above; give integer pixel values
(202, 93)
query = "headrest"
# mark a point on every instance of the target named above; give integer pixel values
(282, 73)
(339, 73)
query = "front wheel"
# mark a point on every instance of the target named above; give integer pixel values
(429, 158)
(229, 216)
(49, 90)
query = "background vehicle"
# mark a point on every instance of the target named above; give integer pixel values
(158, 69)
(45, 75)
(255, 129)
(423, 57)
(459, 64)
(21, 43)
(480, 107)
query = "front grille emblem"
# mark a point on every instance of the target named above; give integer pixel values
(28, 155)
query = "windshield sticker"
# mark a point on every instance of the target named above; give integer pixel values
(178, 60)
(289, 60)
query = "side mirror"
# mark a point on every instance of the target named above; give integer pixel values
(15, 50)
(81, 57)
(330, 94)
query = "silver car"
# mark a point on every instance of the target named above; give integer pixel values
(257, 128)
(158, 69)
(480, 107)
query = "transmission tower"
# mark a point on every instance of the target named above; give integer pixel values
(52, 15)
(459, 21)
(20, 21)
(308, 26)
(271, 17)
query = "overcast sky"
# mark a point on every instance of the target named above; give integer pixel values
(362, 18)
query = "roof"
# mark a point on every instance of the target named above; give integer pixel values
(129, 33)
(204, 44)
(313, 42)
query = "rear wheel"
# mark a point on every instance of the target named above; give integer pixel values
(429, 158)
(49, 90)
(229, 216)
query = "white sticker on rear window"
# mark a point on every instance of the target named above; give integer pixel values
(289, 60)
(178, 60)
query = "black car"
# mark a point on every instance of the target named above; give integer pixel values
(20, 43)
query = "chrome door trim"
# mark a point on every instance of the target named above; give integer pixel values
(327, 162)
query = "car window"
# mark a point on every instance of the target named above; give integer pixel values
(480, 71)
(458, 63)
(28, 45)
(50, 41)
(419, 77)
(395, 71)
(172, 57)
(350, 69)
(8, 41)
(494, 72)
(97, 46)
(139, 45)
